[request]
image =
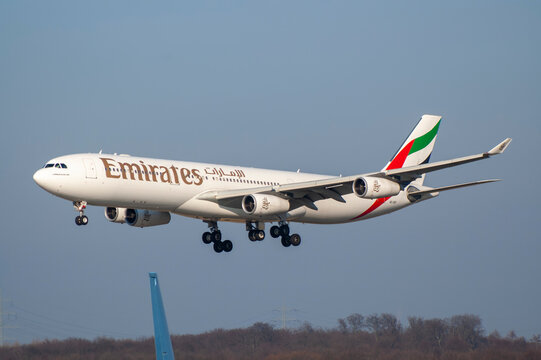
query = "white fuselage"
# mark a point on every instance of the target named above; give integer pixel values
(174, 186)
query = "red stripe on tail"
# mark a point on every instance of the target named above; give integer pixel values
(400, 158)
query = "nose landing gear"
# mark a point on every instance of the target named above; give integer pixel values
(80, 206)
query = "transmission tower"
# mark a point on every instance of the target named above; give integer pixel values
(1, 322)
(2, 315)
(283, 316)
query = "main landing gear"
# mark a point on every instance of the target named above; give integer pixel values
(215, 236)
(80, 206)
(255, 232)
(283, 231)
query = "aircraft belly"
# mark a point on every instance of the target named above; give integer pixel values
(330, 211)
(354, 209)
(209, 210)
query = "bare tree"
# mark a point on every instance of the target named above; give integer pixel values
(391, 328)
(468, 328)
(416, 330)
(356, 322)
(436, 330)
(342, 326)
(373, 323)
(536, 339)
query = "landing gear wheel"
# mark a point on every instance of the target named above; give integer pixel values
(217, 236)
(259, 235)
(284, 230)
(207, 237)
(80, 207)
(286, 242)
(227, 245)
(295, 239)
(251, 235)
(218, 247)
(275, 231)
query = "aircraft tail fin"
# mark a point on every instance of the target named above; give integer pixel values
(162, 339)
(418, 146)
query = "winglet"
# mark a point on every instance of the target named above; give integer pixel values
(500, 148)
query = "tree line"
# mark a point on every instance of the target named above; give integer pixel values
(376, 336)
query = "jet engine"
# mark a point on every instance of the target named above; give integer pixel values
(264, 205)
(375, 187)
(117, 215)
(137, 217)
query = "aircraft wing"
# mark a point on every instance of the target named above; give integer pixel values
(309, 191)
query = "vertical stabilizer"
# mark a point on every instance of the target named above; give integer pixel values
(162, 339)
(419, 144)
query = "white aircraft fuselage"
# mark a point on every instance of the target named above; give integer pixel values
(166, 185)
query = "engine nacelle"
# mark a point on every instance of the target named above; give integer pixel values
(262, 205)
(375, 187)
(136, 217)
(117, 215)
(144, 218)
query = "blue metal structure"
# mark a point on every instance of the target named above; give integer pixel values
(162, 339)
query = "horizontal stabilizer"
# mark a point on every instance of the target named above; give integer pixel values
(451, 187)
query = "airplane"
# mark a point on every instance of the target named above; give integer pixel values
(162, 340)
(144, 192)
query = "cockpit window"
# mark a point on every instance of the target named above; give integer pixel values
(57, 165)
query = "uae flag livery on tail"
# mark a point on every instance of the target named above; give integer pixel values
(415, 150)
(418, 146)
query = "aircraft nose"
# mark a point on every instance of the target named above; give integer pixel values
(40, 178)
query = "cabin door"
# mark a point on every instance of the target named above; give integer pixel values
(90, 169)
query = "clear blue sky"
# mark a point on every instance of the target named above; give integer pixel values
(328, 87)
